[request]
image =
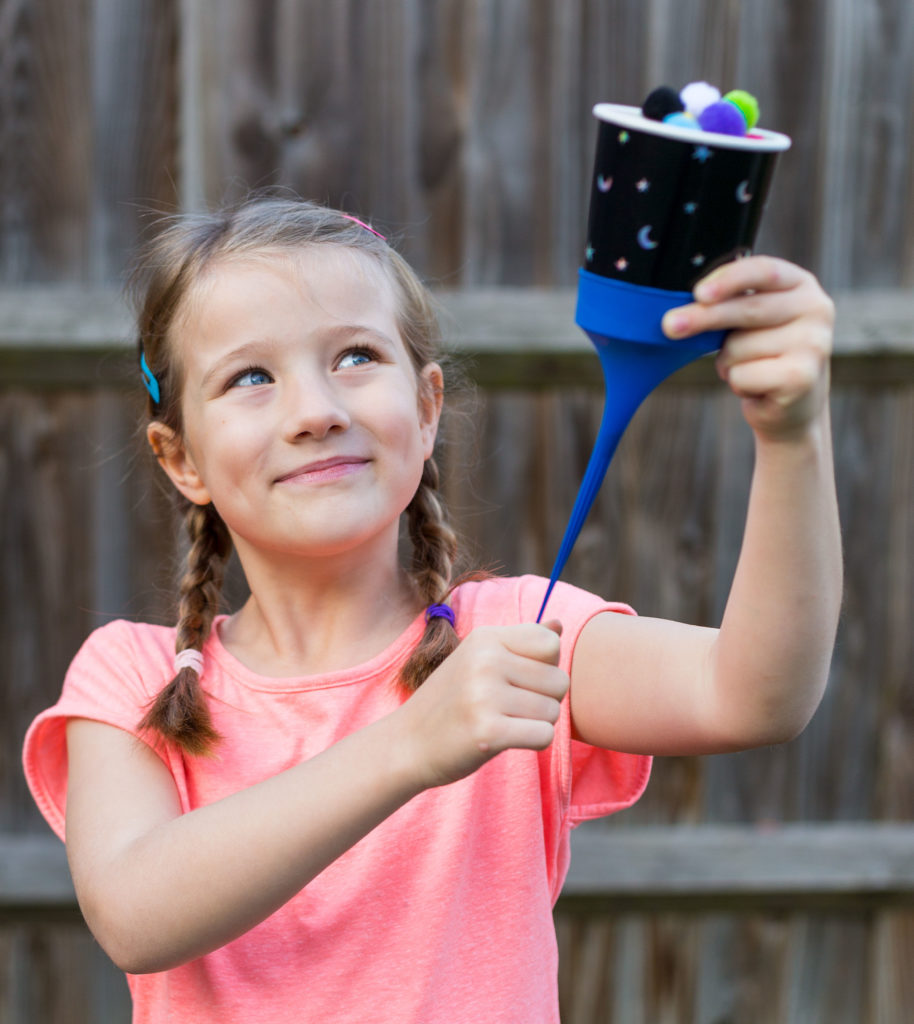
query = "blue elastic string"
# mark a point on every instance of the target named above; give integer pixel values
(152, 385)
(624, 323)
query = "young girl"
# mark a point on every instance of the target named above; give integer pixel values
(351, 800)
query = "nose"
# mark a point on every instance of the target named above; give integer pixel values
(313, 408)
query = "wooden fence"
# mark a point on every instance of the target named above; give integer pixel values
(463, 125)
(741, 887)
(770, 886)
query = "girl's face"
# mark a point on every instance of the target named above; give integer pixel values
(305, 422)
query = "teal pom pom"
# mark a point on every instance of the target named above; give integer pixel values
(681, 120)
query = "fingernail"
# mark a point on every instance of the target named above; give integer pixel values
(675, 323)
(707, 288)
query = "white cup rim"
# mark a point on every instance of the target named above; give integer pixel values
(632, 118)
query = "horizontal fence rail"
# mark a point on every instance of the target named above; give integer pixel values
(840, 867)
(509, 337)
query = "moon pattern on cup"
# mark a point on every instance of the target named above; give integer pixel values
(668, 205)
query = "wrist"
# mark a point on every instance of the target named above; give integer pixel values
(401, 753)
(805, 439)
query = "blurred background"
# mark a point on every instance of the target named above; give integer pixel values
(769, 886)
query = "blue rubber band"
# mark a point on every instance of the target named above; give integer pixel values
(152, 385)
(441, 611)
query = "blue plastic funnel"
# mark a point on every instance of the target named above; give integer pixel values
(623, 322)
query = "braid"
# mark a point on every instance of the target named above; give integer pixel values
(434, 552)
(179, 712)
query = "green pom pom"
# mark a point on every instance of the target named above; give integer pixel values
(747, 104)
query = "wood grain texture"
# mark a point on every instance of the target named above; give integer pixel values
(467, 127)
(87, 134)
(463, 129)
(55, 972)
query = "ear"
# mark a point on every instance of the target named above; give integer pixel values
(431, 399)
(177, 462)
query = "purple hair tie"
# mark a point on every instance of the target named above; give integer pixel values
(362, 224)
(441, 611)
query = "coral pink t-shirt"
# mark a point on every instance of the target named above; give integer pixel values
(442, 914)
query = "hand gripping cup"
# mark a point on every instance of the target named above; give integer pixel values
(668, 204)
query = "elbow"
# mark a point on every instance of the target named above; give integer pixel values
(134, 956)
(771, 707)
(129, 961)
(131, 958)
(775, 726)
(127, 951)
(781, 732)
(127, 939)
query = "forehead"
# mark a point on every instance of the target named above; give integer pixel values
(326, 283)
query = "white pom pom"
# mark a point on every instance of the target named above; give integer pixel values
(698, 95)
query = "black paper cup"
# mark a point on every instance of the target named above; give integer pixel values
(669, 203)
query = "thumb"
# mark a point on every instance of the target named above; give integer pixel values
(554, 625)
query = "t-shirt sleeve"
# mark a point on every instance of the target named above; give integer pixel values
(585, 782)
(104, 683)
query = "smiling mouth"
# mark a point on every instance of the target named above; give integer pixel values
(324, 469)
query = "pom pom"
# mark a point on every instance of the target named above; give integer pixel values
(747, 104)
(681, 120)
(723, 117)
(662, 101)
(698, 95)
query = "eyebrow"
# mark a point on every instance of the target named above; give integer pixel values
(260, 347)
(348, 330)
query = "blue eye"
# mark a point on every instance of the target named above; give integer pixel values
(357, 357)
(251, 378)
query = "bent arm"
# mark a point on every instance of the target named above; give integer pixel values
(159, 888)
(772, 655)
(652, 686)
(680, 689)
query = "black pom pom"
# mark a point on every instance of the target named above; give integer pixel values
(662, 101)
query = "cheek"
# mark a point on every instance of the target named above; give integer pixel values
(228, 448)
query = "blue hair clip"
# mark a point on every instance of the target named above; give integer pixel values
(152, 385)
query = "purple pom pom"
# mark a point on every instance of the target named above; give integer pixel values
(723, 117)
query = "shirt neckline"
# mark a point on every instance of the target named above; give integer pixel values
(393, 655)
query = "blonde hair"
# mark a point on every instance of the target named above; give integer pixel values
(165, 273)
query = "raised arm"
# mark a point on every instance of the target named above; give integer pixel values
(159, 888)
(683, 689)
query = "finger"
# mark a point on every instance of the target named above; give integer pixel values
(753, 273)
(536, 677)
(784, 379)
(525, 703)
(554, 625)
(531, 640)
(750, 312)
(526, 734)
(746, 346)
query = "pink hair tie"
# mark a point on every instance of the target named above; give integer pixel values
(362, 224)
(189, 658)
